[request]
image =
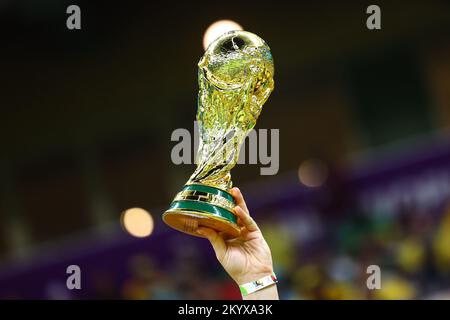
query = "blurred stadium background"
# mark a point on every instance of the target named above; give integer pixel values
(86, 119)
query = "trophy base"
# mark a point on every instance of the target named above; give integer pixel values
(202, 206)
(188, 222)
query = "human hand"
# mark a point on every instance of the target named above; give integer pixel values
(246, 258)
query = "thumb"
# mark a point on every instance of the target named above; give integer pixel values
(217, 242)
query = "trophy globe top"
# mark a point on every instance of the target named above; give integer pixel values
(238, 60)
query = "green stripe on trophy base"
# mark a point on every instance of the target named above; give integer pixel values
(203, 207)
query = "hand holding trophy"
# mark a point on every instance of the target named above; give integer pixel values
(235, 78)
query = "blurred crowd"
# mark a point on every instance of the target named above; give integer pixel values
(329, 260)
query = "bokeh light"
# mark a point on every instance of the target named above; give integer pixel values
(218, 28)
(313, 173)
(137, 222)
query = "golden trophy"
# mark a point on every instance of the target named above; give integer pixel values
(235, 77)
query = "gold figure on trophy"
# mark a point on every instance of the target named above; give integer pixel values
(235, 78)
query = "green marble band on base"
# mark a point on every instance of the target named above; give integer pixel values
(192, 205)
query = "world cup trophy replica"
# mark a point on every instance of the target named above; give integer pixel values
(235, 77)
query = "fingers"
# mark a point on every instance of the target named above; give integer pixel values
(245, 219)
(217, 242)
(239, 198)
(242, 211)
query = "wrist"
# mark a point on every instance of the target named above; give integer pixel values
(267, 293)
(253, 276)
(263, 288)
